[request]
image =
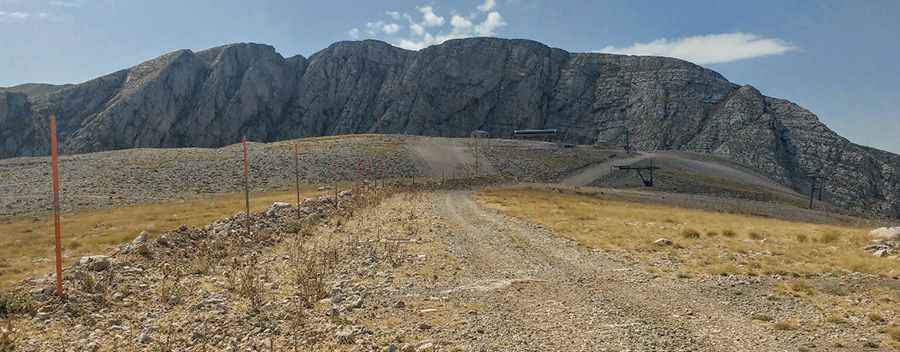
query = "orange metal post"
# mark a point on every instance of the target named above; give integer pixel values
(246, 182)
(54, 165)
(297, 175)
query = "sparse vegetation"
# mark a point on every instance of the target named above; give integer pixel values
(7, 339)
(96, 231)
(875, 317)
(170, 289)
(785, 326)
(311, 267)
(251, 284)
(893, 332)
(690, 234)
(13, 304)
(634, 226)
(761, 317)
(830, 237)
(836, 319)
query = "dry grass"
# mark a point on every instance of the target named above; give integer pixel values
(26, 246)
(893, 332)
(761, 317)
(785, 326)
(766, 247)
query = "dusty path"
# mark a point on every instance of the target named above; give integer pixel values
(587, 175)
(548, 294)
(443, 156)
(685, 161)
(719, 169)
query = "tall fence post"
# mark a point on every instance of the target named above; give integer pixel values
(297, 175)
(54, 166)
(246, 183)
(336, 205)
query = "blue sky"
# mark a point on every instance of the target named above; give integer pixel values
(838, 59)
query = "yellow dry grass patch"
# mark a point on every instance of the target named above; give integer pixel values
(726, 244)
(26, 244)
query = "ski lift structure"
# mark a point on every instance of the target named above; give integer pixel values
(645, 173)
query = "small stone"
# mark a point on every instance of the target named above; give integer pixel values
(881, 253)
(95, 262)
(354, 302)
(663, 242)
(273, 210)
(140, 239)
(145, 338)
(346, 335)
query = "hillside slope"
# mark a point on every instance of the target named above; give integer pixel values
(211, 98)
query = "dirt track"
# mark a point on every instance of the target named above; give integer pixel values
(547, 293)
(695, 163)
(443, 156)
(589, 174)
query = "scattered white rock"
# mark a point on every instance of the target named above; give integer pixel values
(663, 242)
(347, 334)
(140, 239)
(95, 262)
(886, 233)
(883, 253)
(273, 210)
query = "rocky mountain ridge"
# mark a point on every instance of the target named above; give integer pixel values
(213, 97)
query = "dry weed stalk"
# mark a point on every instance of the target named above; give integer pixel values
(310, 268)
(7, 340)
(251, 285)
(170, 289)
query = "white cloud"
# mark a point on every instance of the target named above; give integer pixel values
(373, 28)
(60, 3)
(460, 23)
(353, 33)
(708, 49)
(487, 6)
(417, 29)
(19, 16)
(429, 18)
(390, 28)
(490, 25)
(430, 28)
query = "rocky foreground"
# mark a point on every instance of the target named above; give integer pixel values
(420, 270)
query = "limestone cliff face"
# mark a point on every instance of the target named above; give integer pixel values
(211, 98)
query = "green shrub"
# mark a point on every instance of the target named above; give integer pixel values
(11, 304)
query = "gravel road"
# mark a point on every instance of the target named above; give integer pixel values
(548, 293)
